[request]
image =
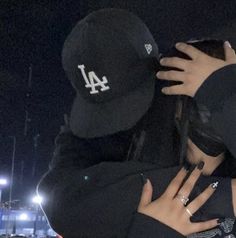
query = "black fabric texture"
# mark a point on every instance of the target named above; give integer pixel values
(222, 104)
(224, 81)
(143, 223)
(65, 186)
(110, 57)
(84, 191)
(85, 201)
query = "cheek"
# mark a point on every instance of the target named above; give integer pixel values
(194, 154)
(190, 156)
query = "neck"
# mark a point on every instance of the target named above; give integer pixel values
(195, 155)
(212, 163)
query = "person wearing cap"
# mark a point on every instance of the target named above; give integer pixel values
(101, 198)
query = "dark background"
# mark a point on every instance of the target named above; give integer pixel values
(32, 35)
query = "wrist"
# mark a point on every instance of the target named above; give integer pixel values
(234, 195)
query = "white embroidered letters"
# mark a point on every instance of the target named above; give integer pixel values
(93, 82)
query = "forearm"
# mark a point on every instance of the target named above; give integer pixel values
(234, 194)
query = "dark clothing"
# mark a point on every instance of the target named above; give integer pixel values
(218, 94)
(100, 200)
(144, 226)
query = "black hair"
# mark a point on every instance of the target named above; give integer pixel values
(214, 48)
(211, 47)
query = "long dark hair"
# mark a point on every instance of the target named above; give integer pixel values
(214, 48)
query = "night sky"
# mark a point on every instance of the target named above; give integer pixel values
(32, 35)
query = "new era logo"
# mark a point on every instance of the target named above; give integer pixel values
(93, 81)
(148, 48)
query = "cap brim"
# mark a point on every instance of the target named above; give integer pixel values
(89, 120)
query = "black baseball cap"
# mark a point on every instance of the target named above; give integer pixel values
(111, 60)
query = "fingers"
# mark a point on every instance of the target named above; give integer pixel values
(189, 50)
(202, 198)
(171, 75)
(203, 226)
(175, 62)
(192, 179)
(146, 196)
(175, 184)
(174, 90)
(229, 53)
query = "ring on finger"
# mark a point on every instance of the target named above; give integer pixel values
(182, 198)
(189, 212)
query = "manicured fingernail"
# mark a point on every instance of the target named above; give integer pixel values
(186, 166)
(228, 44)
(158, 73)
(215, 185)
(144, 179)
(179, 44)
(163, 90)
(200, 165)
(220, 220)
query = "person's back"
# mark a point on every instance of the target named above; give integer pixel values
(101, 198)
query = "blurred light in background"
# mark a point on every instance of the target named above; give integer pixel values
(23, 217)
(3, 181)
(37, 199)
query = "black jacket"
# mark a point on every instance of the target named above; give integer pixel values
(85, 200)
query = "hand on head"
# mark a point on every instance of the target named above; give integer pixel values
(195, 71)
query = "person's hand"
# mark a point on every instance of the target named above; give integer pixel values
(171, 208)
(234, 194)
(194, 72)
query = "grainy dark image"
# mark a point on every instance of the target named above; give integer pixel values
(100, 110)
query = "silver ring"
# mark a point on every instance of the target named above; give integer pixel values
(188, 211)
(182, 198)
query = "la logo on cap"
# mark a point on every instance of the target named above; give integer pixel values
(93, 81)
